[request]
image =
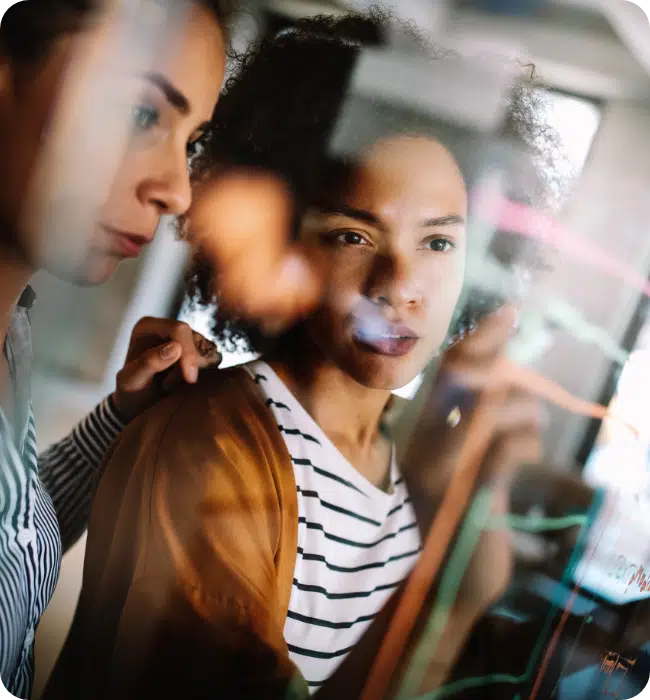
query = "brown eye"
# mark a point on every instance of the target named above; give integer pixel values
(440, 245)
(351, 238)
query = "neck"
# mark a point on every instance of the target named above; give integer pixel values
(14, 277)
(347, 412)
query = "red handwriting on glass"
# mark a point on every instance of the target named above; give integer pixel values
(640, 579)
(612, 663)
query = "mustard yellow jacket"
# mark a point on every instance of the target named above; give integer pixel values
(190, 556)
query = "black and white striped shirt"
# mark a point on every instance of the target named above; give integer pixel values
(356, 543)
(44, 506)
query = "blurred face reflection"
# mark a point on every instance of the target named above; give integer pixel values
(174, 102)
(394, 249)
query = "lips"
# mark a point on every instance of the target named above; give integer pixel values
(377, 334)
(126, 244)
(391, 346)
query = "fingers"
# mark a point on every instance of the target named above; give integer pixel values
(491, 334)
(517, 412)
(295, 291)
(162, 353)
(514, 421)
(208, 353)
(242, 222)
(472, 360)
(239, 214)
(208, 356)
(196, 352)
(137, 374)
(509, 452)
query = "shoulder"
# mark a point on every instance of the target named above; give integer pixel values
(218, 393)
(221, 418)
(210, 479)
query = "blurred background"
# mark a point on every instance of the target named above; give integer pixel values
(594, 59)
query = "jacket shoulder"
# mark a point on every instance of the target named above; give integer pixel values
(224, 405)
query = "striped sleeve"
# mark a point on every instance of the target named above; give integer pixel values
(69, 468)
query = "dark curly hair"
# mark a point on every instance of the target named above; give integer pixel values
(30, 28)
(278, 113)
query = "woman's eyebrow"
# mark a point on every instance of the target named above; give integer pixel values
(172, 94)
(369, 218)
(352, 213)
(451, 220)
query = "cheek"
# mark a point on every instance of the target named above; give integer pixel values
(449, 292)
(20, 148)
(443, 288)
(346, 273)
(344, 282)
(339, 295)
(128, 175)
(336, 303)
(18, 160)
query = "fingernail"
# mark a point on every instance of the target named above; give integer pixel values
(168, 351)
(207, 348)
(216, 358)
(193, 373)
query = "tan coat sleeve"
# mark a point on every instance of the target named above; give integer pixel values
(216, 540)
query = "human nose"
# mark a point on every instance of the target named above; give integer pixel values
(394, 280)
(168, 187)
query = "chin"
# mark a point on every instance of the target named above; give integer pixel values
(381, 373)
(96, 269)
(98, 272)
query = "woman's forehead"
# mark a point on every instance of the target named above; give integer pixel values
(411, 170)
